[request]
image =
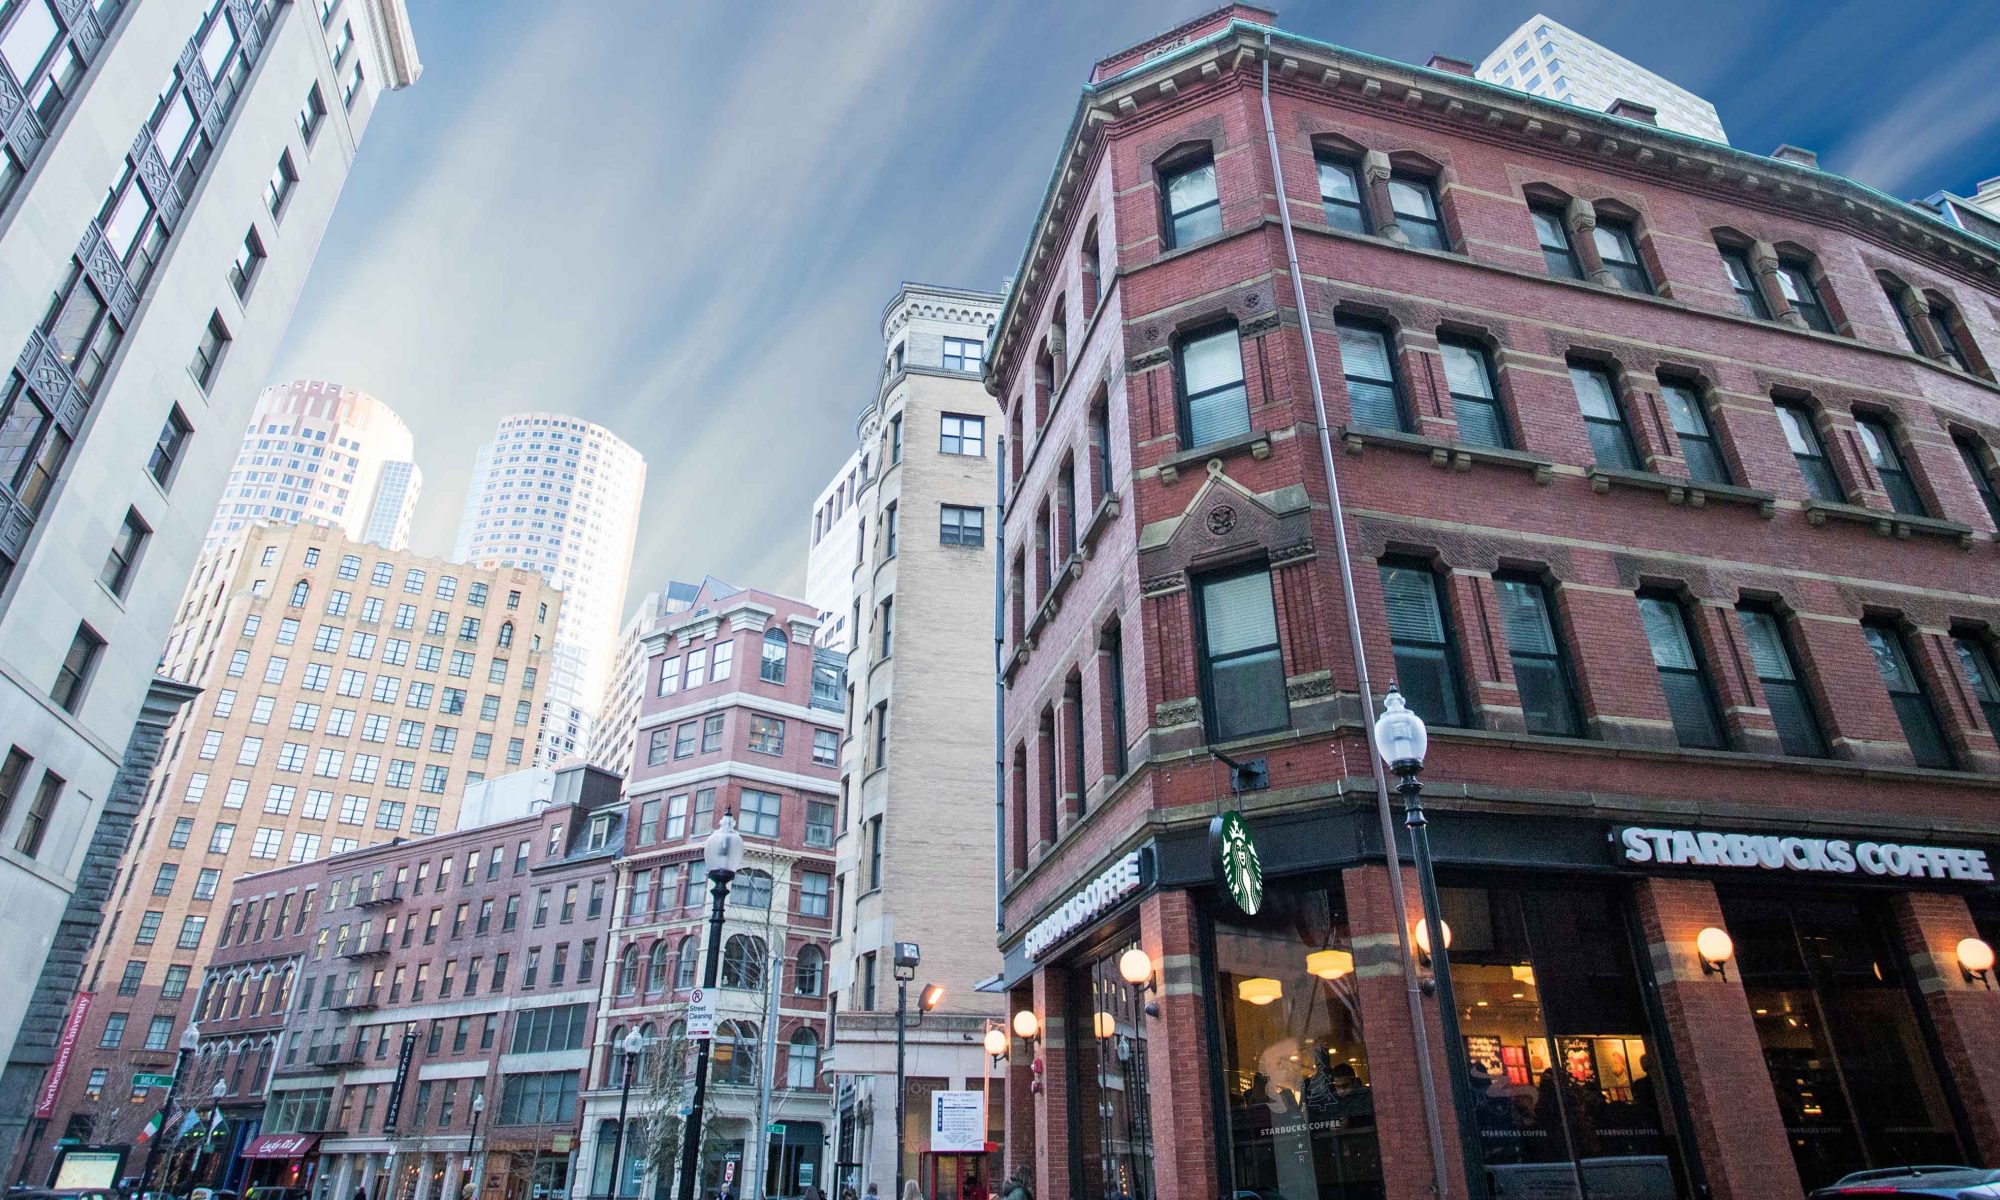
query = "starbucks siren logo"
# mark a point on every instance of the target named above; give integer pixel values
(1241, 869)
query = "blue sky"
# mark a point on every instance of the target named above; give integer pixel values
(682, 220)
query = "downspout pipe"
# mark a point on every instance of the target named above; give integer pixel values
(999, 687)
(1426, 1072)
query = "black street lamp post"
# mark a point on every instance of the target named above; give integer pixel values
(908, 956)
(631, 1047)
(190, 1038)
(722, 856)
(1401, 739)
(474, 1173)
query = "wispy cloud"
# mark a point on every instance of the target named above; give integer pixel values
(1927, 127)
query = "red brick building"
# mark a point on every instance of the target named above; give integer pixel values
(1668, 483)
(475, 953)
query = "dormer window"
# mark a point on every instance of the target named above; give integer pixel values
(599, 832)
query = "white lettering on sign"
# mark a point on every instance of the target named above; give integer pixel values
(1118, 881)
(1836, 856)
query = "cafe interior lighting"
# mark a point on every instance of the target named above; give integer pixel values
(1715, 949)
(1260, 990)
(1330, 964)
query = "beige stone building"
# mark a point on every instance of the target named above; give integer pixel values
(348, 695)
(915, 853)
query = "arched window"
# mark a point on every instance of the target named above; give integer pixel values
(628, 971)
(802, 1060)
(772, 669)
(750, 889)
(614, 1055)
(689, 958)
(263, 989)
(809, 974)
(743, 962)
(237, 987)
(735, 1054)
(506, 634)
(284, 992)
(1946, 324)
(656, 967)
(300, 591)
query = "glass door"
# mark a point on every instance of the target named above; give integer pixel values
(1568, 1094)
(1853, 1072)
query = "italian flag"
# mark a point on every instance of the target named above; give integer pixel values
(152, 1127)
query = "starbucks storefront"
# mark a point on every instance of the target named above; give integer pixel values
(1269, 1053)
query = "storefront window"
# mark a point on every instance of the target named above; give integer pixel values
(1856, 1084)
(1567, 1090)
(1294, 1073)
(1111, 1073)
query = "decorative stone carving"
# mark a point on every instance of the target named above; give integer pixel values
(1309, 687)
(1296, 552)
(1177, 712)
(1163, 585)
(1221, 519)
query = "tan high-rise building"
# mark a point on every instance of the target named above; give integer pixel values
(915, 854)
(348, 695)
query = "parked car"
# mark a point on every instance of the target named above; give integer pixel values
(1943, 1182)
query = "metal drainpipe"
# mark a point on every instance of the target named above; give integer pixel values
(999, 687)
(1425, 1071)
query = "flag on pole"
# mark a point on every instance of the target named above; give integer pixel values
(152, 1127)
(218, 1125)
(188, 1121)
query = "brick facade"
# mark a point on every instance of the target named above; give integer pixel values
(1089, 354)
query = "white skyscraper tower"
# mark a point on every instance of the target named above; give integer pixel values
(327, 454)
(560, 495)
(1546, 58)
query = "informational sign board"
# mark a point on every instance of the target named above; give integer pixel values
(87, 1167)
(958, 1122)
(151, 1081)
(701, 1015)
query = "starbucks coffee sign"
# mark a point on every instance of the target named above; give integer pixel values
(1242, 870)
(1118, 881)
(1810, 855)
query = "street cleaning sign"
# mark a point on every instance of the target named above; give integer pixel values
(701, 1015)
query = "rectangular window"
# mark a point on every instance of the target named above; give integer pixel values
(815, 890)
(1340, 194)
(1368, 363)
(1420, 636)
(1414, 202)
(1784, 692)
(1541, 672)
(1475, 402)
(1907, 694)
(116, 574)
(35, 823)
(78, 665)
(1242, 670)
(1683, 680)
(312, 114)
(964, 354)
(1977, 658)
(961, 526)
(819, 823)
(278, 189)
(1558, 254)
(767, 735)
(1213, 403)
(1194, 209)
(1743, 281)
(1795, 281)
(1604, 418)
(1802, 435)
(243, 271)
(1619, 251)
(1698, 445)
(167, 449)
(760, 813)
(1973, 454)
(959, 434)
(1887, 459)
(208, 351)
(826, 748)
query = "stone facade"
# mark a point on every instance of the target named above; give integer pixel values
(917, 820)
(96, 379)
